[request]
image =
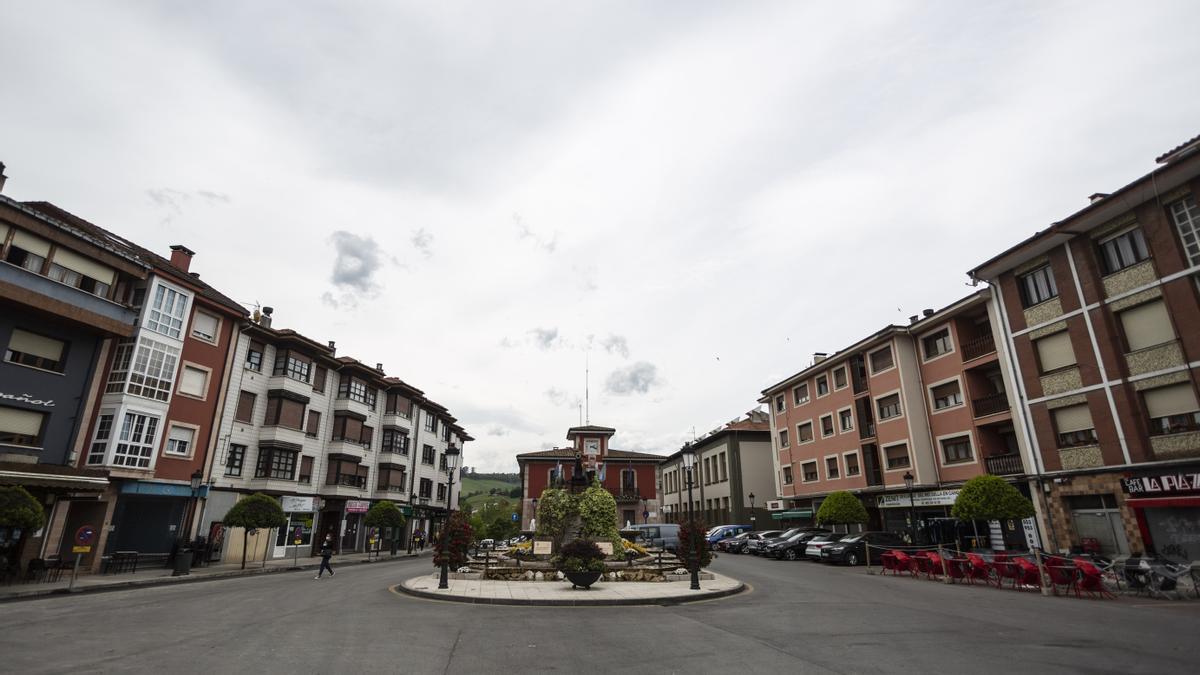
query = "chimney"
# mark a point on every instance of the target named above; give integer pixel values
(927, 312)
(914, 318)
(1097, 196)
(181, 257)
(332, 348)
(3, 178)
(379, 367)
(265, 321)
(819, 357)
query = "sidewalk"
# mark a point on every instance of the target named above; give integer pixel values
(159, 576)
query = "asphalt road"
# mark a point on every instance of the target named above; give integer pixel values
(799, 616)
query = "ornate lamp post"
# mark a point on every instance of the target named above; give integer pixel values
(689, 461)
(912, 508)
(752, 511)
(645, 512)
(533, 518)
(452, 456)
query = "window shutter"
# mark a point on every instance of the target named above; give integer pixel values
(85, 266)
(245, 407)
(31, 243)
(1176, 399)
(205, 325)
(1074, 418)
(306, 463)
(314, 422)
(363, 471)
(22, 422)
(945, 390)
(192, 381)
(1055, 351)
(1147, 325)
(37, 345)
(319, 379)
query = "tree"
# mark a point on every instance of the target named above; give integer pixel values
(385, 515)
(598, 514)
(453, 546)
(254, 512)
(693, 543)
(18, 508)
(841, 508)
(990, 498)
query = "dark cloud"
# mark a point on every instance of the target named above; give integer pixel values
(357, 261)
(637, 378)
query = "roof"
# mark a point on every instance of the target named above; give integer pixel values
(1190, 145)
(589, 430)
(569, 453)
(824, 363)
(159, 263)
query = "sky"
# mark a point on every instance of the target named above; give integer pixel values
(663, 207)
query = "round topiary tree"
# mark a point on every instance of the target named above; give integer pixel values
(841, 508)
(598, 515)
(455, 542)
(693, 545)
(990, 498)
(555, 509)
(252, 513)
(385, 515)
(18, 508)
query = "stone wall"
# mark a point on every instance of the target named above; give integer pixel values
(1063, 534)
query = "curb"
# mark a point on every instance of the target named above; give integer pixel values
(582, 602)
(188, 579)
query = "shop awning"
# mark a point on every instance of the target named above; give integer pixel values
(792, 514)
(406, 510)
(1164, 502)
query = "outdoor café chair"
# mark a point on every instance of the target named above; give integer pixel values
(1028, 574)
(978, 569)
(888, 560)
(1063, 574)
(1091, 580)
(958, 569)
(905, 563)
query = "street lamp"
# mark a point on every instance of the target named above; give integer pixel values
(751, 510)
(412, 504)
(645, 512)
(533, 518)
(912, 508)
(689, 461)
(452, 456)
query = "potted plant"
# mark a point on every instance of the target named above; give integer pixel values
(582, 562)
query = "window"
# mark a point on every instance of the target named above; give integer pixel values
(254, 356)
(441, 492)
(707, 472)
(1123, 250)
(957, 449)
(442, 462)
(21, 427)
(827, 425)
(1187, 222)
(946, 395)
(193, 381)
(881, 360)
(395, 440)
(179, 440)
(1172, 409)
(119, 373)
(628, 481)
(36, 351)
(135, 446)
(245, 407)
(889, 407)
(937, 343)
(1147, 325)
(839, 378)
(313, 429)
(391, 478)
(851, 460)
(780, 406)
(1074, 426)
(347, 473)
(284, 412)
(800, 394)
(276, 463)
(822, 385)
(204, 326)
(721, 466)
(787, 475)
(431, 423)
(398, 405)
(75, 270)
(357, 390)
(306, 469)
(28, 251)
(1037, 286)
(167, 311)
(367, 437)
(426, 488)
(427, 454)
(292, 365)
(804, 432)
(100, 443)
(897, 456)
(1055, 351)
(319, 379)
(234, 459)
(831, 468)
(783, 438)
(349, 428)
(153, 370)
(809, 469)
(846, 420)
(446, 432)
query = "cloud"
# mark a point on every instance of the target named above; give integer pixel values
(497, 430)
(422, 240)
(616, 344)
(560, 397)
(525, 233)
(545, 338)
(634, 379)
(172, 201)
(357, 261)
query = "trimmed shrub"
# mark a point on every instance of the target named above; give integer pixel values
(580, 555)
(990, 498)
(598, 512)
(384, 515)
(555, 508)
(841, 508)
(252, 513)
(18, 508)
(692, 543)
(454, 545)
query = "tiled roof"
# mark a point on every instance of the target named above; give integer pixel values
(159, 263)
(569, 453)
(1163, 157)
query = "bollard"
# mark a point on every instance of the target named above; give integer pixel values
(1037, 557)
(867, 550)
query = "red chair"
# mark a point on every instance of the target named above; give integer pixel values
(1091, 580)
(1005, 569)
(905, 563)
(936, 569)
(889, 563)
(1062, 573)
(978, 569)
(958, 569)
(1028, 575)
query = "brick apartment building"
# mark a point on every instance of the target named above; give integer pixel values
(1102, 322)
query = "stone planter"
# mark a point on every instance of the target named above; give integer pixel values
(582, 579)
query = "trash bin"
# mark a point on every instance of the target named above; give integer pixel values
(183, 562)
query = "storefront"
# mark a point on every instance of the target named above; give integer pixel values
(935, 525)
(150, 516)
(1167, 506)
(301, 515)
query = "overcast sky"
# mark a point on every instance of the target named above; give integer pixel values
(691, 197)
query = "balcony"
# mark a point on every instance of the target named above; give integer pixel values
(391, 489)
(627, 496)
(61, 298)
(980, 346)
(342, 403)
(990, 404)
(1004, 465)
(866, 431)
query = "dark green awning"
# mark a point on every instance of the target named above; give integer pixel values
(794, 513)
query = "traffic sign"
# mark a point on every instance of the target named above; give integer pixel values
(84, 537)
(81, 549)
(515, 517)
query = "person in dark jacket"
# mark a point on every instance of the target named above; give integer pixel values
(326, 554)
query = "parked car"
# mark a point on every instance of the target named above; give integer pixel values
(663, 535)
(851, 549)
(793, 547)
(755, 539)
(767, 541)
(812, 549)
(487, 543)
(723, 531)
(733, 544)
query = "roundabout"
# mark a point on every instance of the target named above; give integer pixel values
(559, 593)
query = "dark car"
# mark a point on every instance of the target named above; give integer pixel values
(755, 540)
(724, 532)
(766, 542)
(792, 548)
(733, 544)
(851, 549)
(812, 549)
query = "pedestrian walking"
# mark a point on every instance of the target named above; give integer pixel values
(326, 554)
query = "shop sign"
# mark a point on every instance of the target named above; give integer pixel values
(357, 506)
(293, 504)
(1162, 484)
(27, 398)
(934, 498)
